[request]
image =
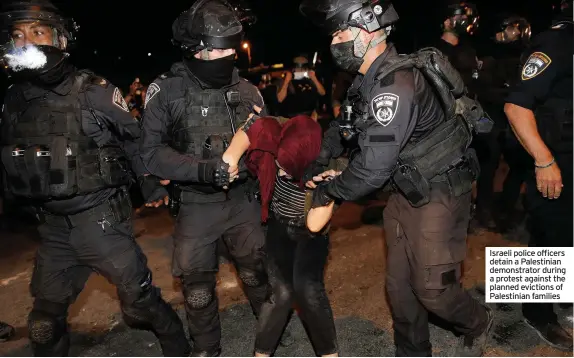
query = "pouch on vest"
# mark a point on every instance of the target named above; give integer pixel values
(412, 184)
(113, 166)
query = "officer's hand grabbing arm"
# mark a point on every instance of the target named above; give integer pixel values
(110, 109)
(391, 123)
(538, 74)
(331, 147)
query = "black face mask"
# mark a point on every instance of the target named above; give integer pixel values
(55, 75)
(214, 73)
(344, 56)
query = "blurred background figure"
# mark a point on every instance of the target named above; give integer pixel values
(135, 98)
(300, 90)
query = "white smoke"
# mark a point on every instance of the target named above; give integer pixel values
(28, 57)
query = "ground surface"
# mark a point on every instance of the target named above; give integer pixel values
(354, 280)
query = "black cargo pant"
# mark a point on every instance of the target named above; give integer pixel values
(426, 247)
(296, 264)
(198, 229)
(550, 225)
(75, 246)
(488, 150)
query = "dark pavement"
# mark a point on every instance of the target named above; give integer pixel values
(357, 337)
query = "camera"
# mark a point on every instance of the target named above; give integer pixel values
(299, 75)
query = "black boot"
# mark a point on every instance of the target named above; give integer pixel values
(474, 346)
(553, 334)
(6, 331)
(211, 353)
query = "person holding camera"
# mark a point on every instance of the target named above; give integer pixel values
(301, 90)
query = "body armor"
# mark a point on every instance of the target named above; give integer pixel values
(205, 128)
(443, 154)
(46, 154)
(554, 116)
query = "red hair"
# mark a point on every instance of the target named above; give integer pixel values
(295, 146)
(299, 145)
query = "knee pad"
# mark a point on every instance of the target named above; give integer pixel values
(251, 270)
(199, 290)
(45, 328)
(251, 278)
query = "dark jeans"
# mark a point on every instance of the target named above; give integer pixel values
(72, 248)
(550, 225)
(197, 232)
(296, 262)
(426, 247)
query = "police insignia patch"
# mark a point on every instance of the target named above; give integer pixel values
(535, 65)
(385, 107)
(119, 100)
(152, 90)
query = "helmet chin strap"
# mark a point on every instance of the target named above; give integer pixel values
(359, 49)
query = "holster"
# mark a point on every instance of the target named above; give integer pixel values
(412, 184)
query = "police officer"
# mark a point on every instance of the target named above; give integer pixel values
(426, 242)
(67, 142)
(539, 109)
(511, 40)
(190, 115)
(460, 20)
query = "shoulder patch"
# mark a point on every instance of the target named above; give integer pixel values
(535, 65)
(152, 90)
(385, 107)
(119, 100)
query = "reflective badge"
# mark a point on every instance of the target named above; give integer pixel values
(152, 90)
(119, 100)
(535, 65)
(385, 107)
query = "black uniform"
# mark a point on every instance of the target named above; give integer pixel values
(181, 113)
(430, 240)
(67, 149)
(546, 89)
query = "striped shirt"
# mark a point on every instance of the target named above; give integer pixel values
(288, 198)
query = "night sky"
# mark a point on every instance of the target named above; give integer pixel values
(133, 29)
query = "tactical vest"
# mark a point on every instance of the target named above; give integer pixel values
(444, 153)
(554, 119)
(47, 155)
(554, 116)
(209, 119)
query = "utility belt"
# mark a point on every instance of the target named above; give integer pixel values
(116, 209)
(416, 188)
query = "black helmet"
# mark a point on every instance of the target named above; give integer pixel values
(208, 24)
(461, 25)
(34, 59)
(42, 11)
(335, 15)
(514, 28)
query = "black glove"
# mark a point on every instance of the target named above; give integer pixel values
(320, 196)
(214, 171)
(312, 170)
(151, 188)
